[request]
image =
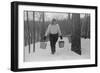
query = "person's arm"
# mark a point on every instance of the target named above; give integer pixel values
(47, 31)
(59, 31)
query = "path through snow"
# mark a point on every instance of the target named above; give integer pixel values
(61, 53)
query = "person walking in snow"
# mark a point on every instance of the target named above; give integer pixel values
(54, 32)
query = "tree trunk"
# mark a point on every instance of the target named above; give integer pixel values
(42, 27)
(33, 31)
(76, 34)
(28, 32)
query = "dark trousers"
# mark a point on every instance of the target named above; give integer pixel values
(53, 39)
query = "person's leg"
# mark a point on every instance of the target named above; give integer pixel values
(55, 38)
(51, 43)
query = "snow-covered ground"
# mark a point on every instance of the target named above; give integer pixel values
(61, 53)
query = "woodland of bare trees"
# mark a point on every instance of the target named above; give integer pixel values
(35, 25)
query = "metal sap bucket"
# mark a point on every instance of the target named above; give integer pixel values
(61, 44)
(43, 45)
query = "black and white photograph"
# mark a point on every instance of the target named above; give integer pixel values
(56, 36)
(53, 36)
